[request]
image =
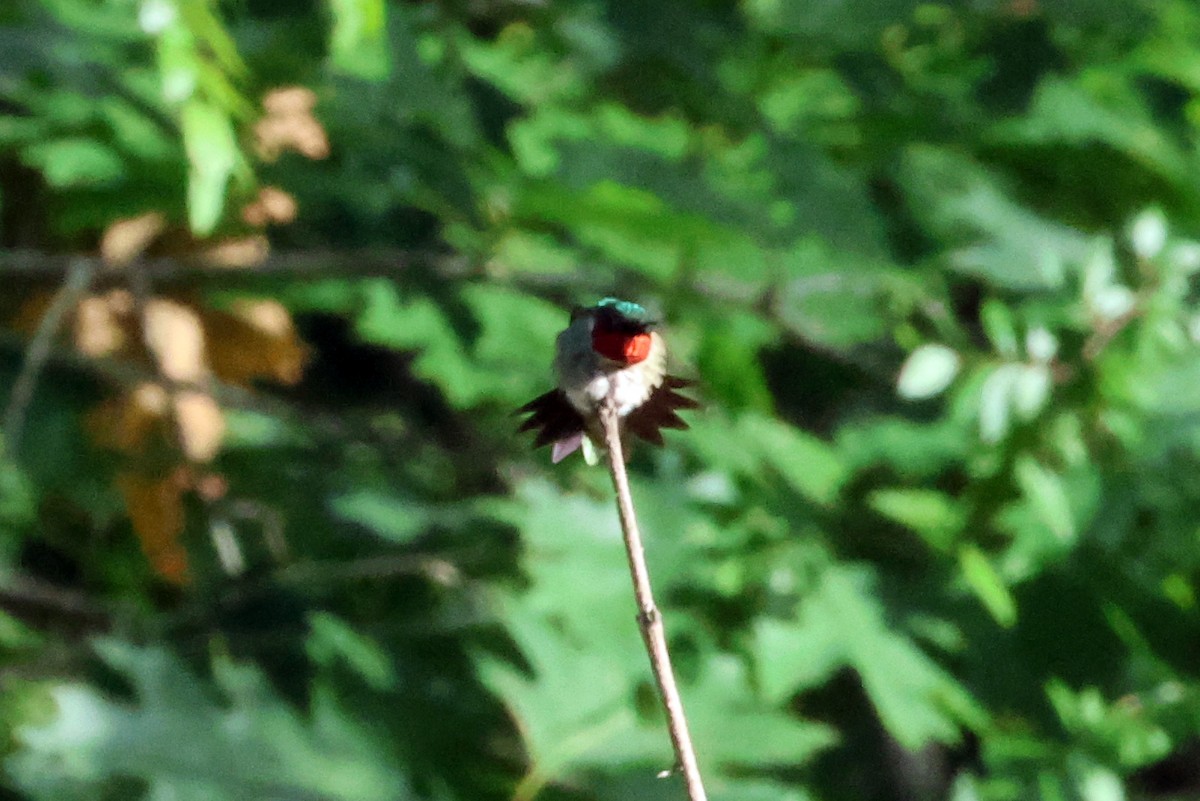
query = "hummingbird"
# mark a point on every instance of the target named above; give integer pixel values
(611, 347)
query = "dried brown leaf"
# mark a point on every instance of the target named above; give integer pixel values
(272, 205)
(130, 422)
(174, 335)
(125, 240)
(155, 507)
(290, 125)
(245, 251)
(255, 339)
(201, 425)
(98, 329)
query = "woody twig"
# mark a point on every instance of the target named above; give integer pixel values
(649, 619)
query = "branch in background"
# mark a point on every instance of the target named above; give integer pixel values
(79, 277)
(649, 619)
(195, 269)
(126, 373)
(50, 607)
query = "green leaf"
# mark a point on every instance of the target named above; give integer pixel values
(1031, 390)
(563, 728)
(418, 324)
(728, 355)
(1070, 111)
(927, 371)
(18, 502)
(909, 448)
(933, 515)
(179, 65)
(793, 658)
(627, 224)
(332, 639)
(137, 132)
(996, 402)
(840, 623)
(808, 465)
(75, 163)
(250, 429)
(212, 152)
(516, 328)
(998, 240)
(237, 740)
(575, 628)
(495, 366)
(831, 298)
(576, 565)
(1001, 329)
(358, 42)
(733, 728)
(514, 65)
(1045, 493)
(987, 585)
(525, 252)
(849, 25)
(395, 518)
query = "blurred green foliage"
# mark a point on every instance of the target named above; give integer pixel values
(933, 535)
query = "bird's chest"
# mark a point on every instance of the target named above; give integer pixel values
(629, 388)
(587, 379)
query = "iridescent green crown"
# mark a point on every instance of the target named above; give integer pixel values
(626, 308)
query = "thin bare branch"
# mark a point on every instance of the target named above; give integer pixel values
(79, 278)
(196, 269)
(649, 620)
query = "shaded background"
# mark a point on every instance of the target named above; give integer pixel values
(277, 273)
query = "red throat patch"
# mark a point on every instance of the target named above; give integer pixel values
(625, 348)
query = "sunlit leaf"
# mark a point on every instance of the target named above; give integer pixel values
(987, 585)
(995, 403)
(1031, 390)
(1001, 329)
(332, 639)
(927, 372)
(1001, 241)
(358, 42)
(811, 467)
(212, 153)
(392, 517)
(1045, 492)
(1148, 234)
(933, 515)
(69, 163)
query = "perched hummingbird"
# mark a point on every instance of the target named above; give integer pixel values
(610, 347)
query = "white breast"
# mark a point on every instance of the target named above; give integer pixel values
(587, 378)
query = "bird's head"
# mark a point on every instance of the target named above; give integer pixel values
(620, 330)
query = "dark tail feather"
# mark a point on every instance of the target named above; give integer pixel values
(673, 398)
(553, 418)
(659, 411)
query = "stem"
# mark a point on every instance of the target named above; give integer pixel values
(649, 619)
(79, 279)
